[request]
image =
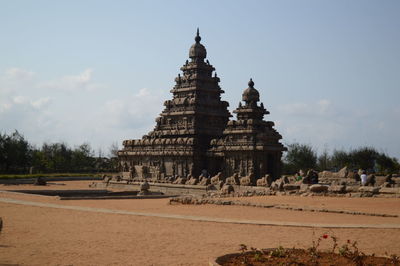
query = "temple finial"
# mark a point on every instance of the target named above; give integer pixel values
(197, 38)
(251, 83)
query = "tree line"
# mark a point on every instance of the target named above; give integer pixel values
(303, 156)
(18, 156)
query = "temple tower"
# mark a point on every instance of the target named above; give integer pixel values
(195, 115)
(250, 145)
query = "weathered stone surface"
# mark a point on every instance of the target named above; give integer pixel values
(317, 188)
(327, 175)
(370, 180)
(116, 178)
(373, 190)
(304, 188)
(144, 189)
(356, 195)
(265, 181)
(354, 176)
(290, 187)
(350, 189)
(392, 190)
(40, 181)
(219, 185)
(144, 186)
(193, 134)
(337, 189)
(180, 181)
(227, 189)
(342, 172)
(204, 181)
(233, 180)
(285, 180)
(171, 179)
(245, 181)
(389, 180)
(192, 181)
(211, 187)
(217, 178)
(277, 185)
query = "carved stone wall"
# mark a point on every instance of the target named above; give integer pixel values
(193, 132)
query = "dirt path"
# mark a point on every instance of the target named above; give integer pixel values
(199, 218)
(115, 232)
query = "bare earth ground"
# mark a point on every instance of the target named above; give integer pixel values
(51, 236)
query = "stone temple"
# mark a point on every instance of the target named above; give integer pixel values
(194, 136)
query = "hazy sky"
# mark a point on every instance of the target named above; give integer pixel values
(99, 71)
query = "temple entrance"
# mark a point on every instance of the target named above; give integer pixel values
(271, 166)
(215, 165)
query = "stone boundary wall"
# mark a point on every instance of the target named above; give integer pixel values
(20, 181)
(167, 189)
(240, 191)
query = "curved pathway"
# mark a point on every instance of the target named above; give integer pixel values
(199, 218)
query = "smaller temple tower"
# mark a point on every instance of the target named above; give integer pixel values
(250, 145)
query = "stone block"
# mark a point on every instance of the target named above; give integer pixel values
(373, 190)
(337, 189)
(291, 187)
(317, 188)
(391, 190)
(304, 188)
(227, 189)
(245, 181)
(342, 172)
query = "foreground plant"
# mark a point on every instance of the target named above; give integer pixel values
(347, 253)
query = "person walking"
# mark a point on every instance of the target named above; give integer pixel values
(363, 178)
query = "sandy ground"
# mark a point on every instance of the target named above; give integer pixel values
(49, 236)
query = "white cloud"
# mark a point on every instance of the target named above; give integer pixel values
(19, 99)
(321, 107)
(81, 81)
(42, 111)
(18, 73)
(139, 109)
(144, 92)
(324, 123)
(316, 122)
(40, 103)
(4, 107)
(25, 104)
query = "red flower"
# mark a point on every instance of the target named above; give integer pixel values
(348, 241)
(324, 236)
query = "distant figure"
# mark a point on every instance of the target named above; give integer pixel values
(312, 176)
(363, 178)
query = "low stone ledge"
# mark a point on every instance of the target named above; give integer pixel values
(390, 190)
(373, 190)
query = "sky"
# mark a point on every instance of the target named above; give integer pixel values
(99, 71)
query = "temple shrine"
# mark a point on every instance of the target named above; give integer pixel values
(194, 135)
